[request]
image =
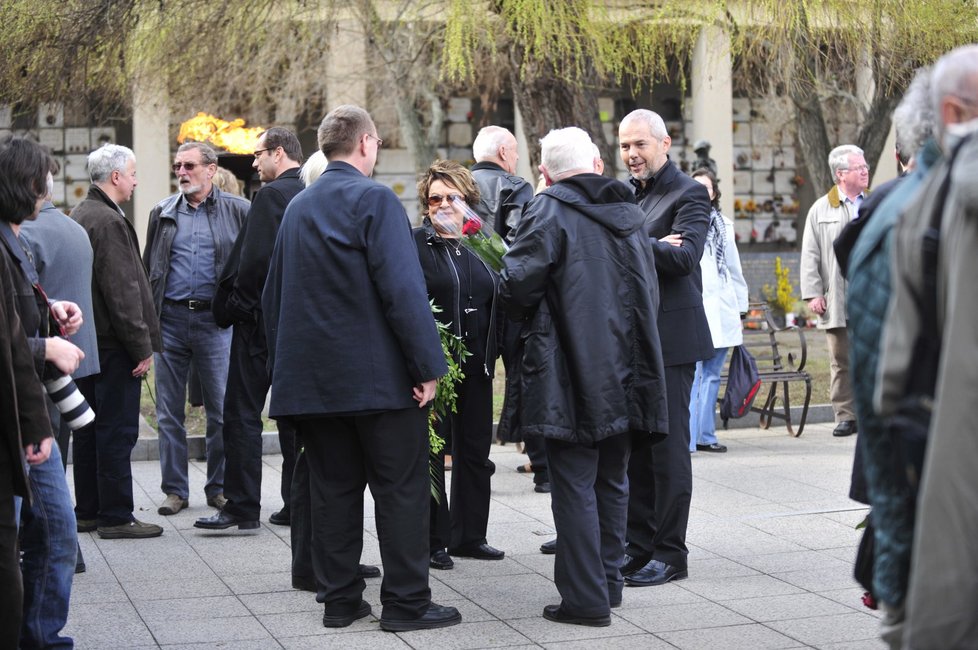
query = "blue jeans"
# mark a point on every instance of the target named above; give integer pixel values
(49, 541)
(190, 335)
(703, 400)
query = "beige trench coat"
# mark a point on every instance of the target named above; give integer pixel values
(820, 273)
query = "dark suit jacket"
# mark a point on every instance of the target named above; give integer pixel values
(247, 266)
(675, 203)
(346, 310)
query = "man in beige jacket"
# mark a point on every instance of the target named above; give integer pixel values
(822, 283)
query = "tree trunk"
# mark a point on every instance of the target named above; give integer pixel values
(547, 102)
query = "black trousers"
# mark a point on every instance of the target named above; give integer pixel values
(660, 480)
(462, 520)
(389, 452)
(244, 399)
(101, 455)
(536, 451)
(301, 529)
(589, 502)
(11, 579)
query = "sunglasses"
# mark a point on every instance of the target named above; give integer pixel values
(436, 199)
(189, 166)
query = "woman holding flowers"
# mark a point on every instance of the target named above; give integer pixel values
(464, 289)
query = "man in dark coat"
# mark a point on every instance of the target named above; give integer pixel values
(502, 193)
(128, 333)
(355, 357)
(26, 433)
(277, 159)
(677, 211)
(581, 273)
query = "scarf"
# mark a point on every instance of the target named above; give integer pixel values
(717, 238)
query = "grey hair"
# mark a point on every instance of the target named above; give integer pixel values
(313, 168)
(488, 141)
(566, 150)
(654, 121)
(50, 186)
(839, 157)
(207, 154)
(342, 128)
(955, 74)
(107, 159)
(914, 117)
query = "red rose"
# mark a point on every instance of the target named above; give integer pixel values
(471, 226)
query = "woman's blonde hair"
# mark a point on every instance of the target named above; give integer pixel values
(452, 173)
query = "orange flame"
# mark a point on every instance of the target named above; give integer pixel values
(230, 136)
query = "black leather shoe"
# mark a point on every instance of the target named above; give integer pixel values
(436, 616)
(655, 573)
(633, 564)
(557, 614)
(281, 518)
(440, 560)
(223, 519)
(542, 488)
(549, 548)
(716, 447)
(344, 620)
(845, 428)
(478, 552)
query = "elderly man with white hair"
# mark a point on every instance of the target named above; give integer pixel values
(582, 276)
(822, 283)
(128, 333)
(502, 193)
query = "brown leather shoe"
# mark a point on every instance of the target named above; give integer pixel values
(172, 504)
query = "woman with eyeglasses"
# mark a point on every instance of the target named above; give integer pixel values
(464, 288)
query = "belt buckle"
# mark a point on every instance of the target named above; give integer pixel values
(195, 305)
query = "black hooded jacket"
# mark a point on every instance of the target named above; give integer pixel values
(581, 275)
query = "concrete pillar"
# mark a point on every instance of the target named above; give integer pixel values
(523, 167)
(346, 76)
(712, 90)
(151, 144)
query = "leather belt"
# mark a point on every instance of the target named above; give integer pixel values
(190, 303)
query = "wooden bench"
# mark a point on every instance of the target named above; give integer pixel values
(761, 338)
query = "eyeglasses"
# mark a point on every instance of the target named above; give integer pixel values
(380, 143)
(189, 166)
(436, 199)
(259, 152)
(860, 168)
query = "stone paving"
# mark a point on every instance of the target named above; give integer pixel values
(771, 538)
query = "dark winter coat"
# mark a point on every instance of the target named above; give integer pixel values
(501, 195)
(347, 318)
(23, 410)
(123, 310)
(582, 275)
(243, 278)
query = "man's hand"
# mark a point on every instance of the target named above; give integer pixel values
(68, 315)
(37, 454)
(675, 239)
(817, 305)
(64, 355)
(425, 392)
(143, 367)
